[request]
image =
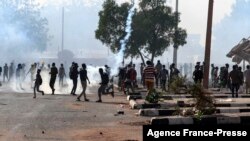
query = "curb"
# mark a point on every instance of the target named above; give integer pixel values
(213, 95)
(209, 120)
(171, 97)
(170, 112)
(134, 105)
(134, 93)
(134, 97)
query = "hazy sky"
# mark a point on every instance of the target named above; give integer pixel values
(81, 22)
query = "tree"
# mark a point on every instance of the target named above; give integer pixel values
(112, 24)
(23, 19)
(153, 28)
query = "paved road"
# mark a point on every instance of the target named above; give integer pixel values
(61, 118)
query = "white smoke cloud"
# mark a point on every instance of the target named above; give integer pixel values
(194, 14)
(119, 57)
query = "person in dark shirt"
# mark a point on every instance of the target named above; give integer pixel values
(158, 68)
(198, 74)
(38, 83)
(84, 78)
(130, 78)
(164, 76)
(1, 74)
(235, 80)
(11, 71)
(74, 77)
(1, 71)
(241, 77)
(121, 78)
(103, 84)
(53, 73)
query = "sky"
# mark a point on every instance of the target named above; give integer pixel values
(81, 22)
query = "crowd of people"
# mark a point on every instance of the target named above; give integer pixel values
(150, 76)
(36, 79)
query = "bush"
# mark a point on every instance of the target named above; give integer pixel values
(178, 84)
(204, 102)
(153, 96)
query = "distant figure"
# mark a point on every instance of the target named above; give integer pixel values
(158, 68)
(5, 72)
(84, 78)
(74, 76)
(107, 70)
(141, 71)
(38, 83)
(164, 76)
(0, 75)
(11, 71)
(103, 84)
(235, 79)
(48, 67)
(18, 76)
(212, 76)
(134, 77)
(228, 82)
(197, 75)
(241, 77)
(215, 76)
(247, 78)
(121, 78)
(174, 72)
(70, 70)
(42, 66)
(53, 74)
(23, 72)
(61, 75)
(1, 71)
(130, 79)
(149, 75)
(223, 78)
(32, 72)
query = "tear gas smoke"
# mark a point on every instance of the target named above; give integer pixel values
(128, 30)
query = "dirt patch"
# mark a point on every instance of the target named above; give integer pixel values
(75, 106)
(104, 133)
(109, 134)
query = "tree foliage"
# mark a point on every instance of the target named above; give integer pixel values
(153, 27)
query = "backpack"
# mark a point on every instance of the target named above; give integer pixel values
(105, 78)
(70, 73)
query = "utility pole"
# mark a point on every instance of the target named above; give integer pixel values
(62, 28)
(208, 44)
(176, 28)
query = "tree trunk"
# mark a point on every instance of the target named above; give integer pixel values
(153, 57)
(142, 58)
